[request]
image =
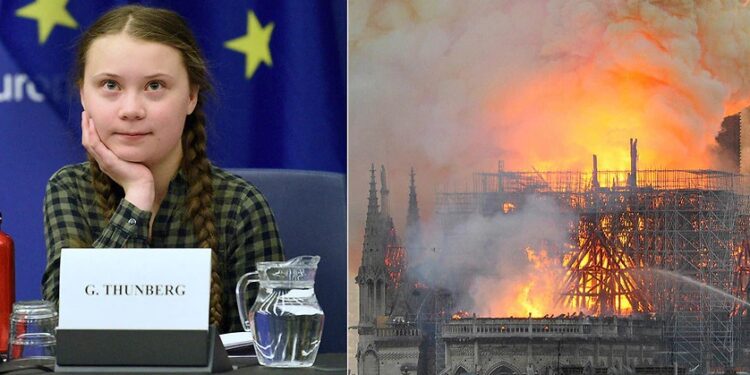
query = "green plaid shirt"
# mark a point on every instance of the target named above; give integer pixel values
(245, 226)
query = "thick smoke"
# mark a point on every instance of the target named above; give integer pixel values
(451, 87)
(498, 265)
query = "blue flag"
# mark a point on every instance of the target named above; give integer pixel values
(279, 68)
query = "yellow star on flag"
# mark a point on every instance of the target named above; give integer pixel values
(48, 14)
(254, 44)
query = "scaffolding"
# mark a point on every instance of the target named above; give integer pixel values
(651, 241)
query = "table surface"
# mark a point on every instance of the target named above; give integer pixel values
(327, 363)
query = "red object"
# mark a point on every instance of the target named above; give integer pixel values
(7, 286)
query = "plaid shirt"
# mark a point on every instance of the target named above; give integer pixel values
(245, 226)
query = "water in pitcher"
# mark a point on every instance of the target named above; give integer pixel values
(287, 329)
(285, 320)
(287, 341)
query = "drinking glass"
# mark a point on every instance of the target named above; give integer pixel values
(32, 331)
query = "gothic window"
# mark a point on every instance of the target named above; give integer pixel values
(461, 371)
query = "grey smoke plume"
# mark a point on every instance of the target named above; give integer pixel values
(486, 263)
(450, 87)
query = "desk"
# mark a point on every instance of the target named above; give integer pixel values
(328, 363)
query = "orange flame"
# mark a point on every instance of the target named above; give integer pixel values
(601, 285)
(557, 120)
(395, 263)
(536, 294)
(460, 314)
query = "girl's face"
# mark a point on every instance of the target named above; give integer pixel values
(138, 95)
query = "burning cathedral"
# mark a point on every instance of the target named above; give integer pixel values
(656, 265)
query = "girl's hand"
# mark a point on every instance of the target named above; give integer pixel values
(135, 178)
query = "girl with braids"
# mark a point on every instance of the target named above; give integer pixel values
(147, 181)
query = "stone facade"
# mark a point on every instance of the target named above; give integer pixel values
(546, 346)
(392, 350)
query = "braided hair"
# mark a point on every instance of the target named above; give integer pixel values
(168, 28)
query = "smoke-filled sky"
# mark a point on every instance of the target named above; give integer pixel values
(453, 87)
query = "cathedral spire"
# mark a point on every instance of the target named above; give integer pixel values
(371, 276)
(413, 236)
(384, 207)
(372, 200)
(412, 216)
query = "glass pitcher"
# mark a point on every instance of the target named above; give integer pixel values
(285, 321)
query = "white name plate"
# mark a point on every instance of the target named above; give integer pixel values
(135, 289)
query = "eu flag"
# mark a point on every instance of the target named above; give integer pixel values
(279, 69)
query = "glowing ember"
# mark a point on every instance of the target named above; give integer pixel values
(461, 314)
(395, 258)
(395, 262)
